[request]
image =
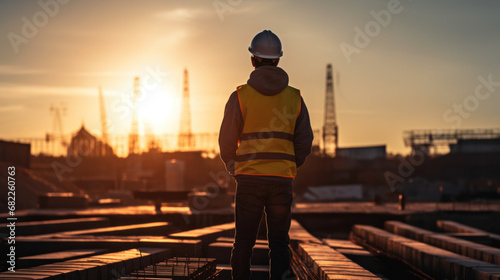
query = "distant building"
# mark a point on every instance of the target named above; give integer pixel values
(363, 153)
(85, 144)
(476, 146)
(174, 174)
(18, 154)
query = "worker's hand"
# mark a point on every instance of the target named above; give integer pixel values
(230, 167)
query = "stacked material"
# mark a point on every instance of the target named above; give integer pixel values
(299, 235)
(311, 259)
(327, 263)
(452, 226)
(106, 266)
(434, 262)
(300, 269)
(459, 246)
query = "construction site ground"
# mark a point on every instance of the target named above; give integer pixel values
(343, 240)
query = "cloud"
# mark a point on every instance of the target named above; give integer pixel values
(176, 37)
(356, 112)
(104, 74)
(18, 90)
(19, 70)
(181, 14)
(11, 108)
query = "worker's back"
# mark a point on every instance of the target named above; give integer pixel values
(266, 143)
(264, 137)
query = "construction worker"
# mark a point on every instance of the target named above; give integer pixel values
(264, 137)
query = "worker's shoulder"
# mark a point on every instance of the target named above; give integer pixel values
(233, 97)
(293, 89)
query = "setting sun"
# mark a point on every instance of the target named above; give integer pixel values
(160, 108)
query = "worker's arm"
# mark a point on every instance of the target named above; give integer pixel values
(303, 136)
(230, 131)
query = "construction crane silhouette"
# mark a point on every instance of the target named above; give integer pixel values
(104, 123)
(133, 138)
(186, 139)
(57, 128)
(330, 128)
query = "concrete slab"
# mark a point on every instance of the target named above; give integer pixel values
(52, 226)
(23, 275)
(42, 259)
(29, 246)
(156, 228)
(20, 276)
(207, 234)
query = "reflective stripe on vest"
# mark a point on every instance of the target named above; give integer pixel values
(266, 143)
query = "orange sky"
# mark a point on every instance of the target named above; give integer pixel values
(420, 64)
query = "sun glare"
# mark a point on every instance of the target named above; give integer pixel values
(160, 108)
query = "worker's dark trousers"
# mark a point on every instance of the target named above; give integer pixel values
(251, 200)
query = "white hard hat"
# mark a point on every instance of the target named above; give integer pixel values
(266, 45)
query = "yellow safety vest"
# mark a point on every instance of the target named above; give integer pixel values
(266, 143)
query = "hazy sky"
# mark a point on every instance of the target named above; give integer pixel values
(401, 64)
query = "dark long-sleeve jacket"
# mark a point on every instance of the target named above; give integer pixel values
(267, 80)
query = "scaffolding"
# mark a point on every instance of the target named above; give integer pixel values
(434, 138)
